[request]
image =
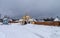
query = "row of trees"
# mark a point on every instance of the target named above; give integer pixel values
(47, 19)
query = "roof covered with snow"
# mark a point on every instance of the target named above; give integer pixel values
(56, 19)
(20, 19)
(28, 20)
(32, 19)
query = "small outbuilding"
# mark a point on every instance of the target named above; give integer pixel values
(56, 19)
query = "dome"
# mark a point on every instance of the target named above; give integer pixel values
(26, 17)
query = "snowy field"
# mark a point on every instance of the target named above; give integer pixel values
(29, 31)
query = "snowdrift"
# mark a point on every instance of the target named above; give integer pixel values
(17, 30)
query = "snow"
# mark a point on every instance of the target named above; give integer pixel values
(21, 20)
(16, 30)
(28, 20)
(31, 19)
(56, 19)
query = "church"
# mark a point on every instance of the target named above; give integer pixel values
(26, 19)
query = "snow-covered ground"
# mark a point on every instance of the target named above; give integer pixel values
(29, 31)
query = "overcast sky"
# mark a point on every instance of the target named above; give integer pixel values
(34, 8)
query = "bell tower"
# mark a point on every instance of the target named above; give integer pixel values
(26, 17)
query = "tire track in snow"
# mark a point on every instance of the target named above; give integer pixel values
(34, 33)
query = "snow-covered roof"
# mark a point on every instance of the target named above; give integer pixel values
(32, 20)
(21, 20)
(56, 19)
(5, 18)
(10, 19)
(28, 20)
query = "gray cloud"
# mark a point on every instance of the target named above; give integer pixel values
(34, 7)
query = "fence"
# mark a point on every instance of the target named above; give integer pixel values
(51, 23)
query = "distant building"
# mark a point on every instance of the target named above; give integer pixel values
(26, 19)
(57, 19)
(5, 20)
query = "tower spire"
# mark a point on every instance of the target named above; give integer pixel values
(26, 13)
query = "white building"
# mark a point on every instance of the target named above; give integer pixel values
(56, 19)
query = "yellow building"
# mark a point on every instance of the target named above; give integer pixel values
(26, 19)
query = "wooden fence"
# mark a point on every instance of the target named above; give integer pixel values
(51, 23)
